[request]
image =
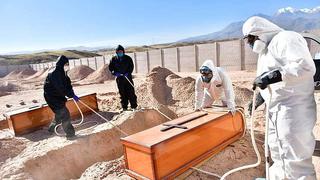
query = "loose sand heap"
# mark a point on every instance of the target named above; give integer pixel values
(99, 76)
(12, 75)
(79, 72)
(20, 74)
(8, 87)
(10, 147)
(37, 74)
(106, 170)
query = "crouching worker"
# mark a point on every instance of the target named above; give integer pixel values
(57, 86)
(213, 84)
(122, 66)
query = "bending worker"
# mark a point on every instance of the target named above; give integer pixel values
(286, 66)
(122, 66)
(56, 87)
(213, 84)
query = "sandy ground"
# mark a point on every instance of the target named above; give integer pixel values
(35, 155)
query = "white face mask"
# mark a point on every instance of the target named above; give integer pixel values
(66, 68)
(259, 46)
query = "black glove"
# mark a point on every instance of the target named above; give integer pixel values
(267, 78)
(259, 101)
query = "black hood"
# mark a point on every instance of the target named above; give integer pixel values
(61, 61)
(120, 48)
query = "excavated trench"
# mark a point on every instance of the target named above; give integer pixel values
(58, 158)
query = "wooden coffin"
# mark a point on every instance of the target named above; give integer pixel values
(158, 154)
(29, 119)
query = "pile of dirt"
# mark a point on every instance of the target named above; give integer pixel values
(243, 95)
(10, 148)
(12, 75)
(109, 101)
(26, 73)
(20, 74)
(7, 87)
(79, 72)
(157, 84)
(164, 88)
(37, 74)
(182, 90)
(99, 76)
(44, 75)
(106, 170)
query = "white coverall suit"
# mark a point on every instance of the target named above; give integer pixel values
(219, 88)
(292, 109)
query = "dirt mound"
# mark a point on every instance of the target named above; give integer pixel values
(98, 76)
(6, 87)
(44, 75)
(182, 90)
(12, 75)
(20, 74)
(156, 80)
(109, 101)
(10, 148)
(160, 72)
(106, 170)
(243, 95)
(37, 74)
(164, 88)
(79, 72)
(26, 73)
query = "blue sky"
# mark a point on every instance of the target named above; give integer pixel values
(51, 24)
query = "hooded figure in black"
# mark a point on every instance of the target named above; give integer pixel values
(122, 66)
(57, 86)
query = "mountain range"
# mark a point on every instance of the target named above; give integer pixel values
(287, 18)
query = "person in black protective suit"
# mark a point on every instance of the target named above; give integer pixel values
(122, 66)
(56, 87)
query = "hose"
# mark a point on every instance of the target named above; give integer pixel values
(82, 118)
(266, 137)
(105, 119)
(77, 124)
(253, 143)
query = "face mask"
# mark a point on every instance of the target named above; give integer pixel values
(259, 46)
(66, 68)
(120, 54)
(206, 79)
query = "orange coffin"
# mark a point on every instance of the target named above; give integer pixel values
(156, 154)
(29, 119)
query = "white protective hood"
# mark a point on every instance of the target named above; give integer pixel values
(210, 65)
(260, 27)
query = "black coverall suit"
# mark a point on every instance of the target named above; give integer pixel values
(58, 85)
(124, 66)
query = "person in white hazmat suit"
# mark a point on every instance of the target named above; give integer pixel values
(213, 84)
(286, 66)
